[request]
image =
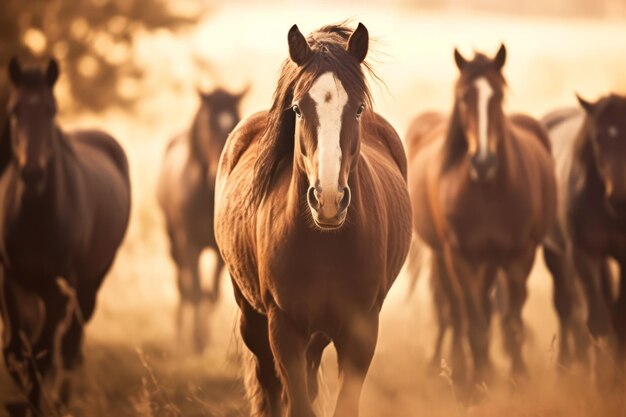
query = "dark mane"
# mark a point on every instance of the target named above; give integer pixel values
(329, 54)
(199, 129)
(455, 144)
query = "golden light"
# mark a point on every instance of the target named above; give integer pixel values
(35, 40)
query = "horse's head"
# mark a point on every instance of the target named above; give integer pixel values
(479, 95)
(217, 117)
(32, 109)
(329, 98)
(606, 121)
(223, 109)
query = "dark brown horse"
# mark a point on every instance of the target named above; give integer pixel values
(589, 146)
(65, 201)
(186, 192)
(313, 220)
(483, 193)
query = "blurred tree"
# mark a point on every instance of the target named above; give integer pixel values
(92, 39)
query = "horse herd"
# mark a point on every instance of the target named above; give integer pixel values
(314, 206)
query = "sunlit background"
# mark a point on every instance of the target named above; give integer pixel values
(133, 68)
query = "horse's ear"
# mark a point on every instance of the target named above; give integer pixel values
(359, 43)
(459, 59)
(52, 72)
(500, 59)
(244, 91)
(15, 71)
(299, 49)
(588, 106)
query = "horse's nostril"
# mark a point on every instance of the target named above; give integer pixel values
(32, 176)
(345, 199)
(312, 199)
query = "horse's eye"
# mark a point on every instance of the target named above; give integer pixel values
(296, 110)
(360, 111)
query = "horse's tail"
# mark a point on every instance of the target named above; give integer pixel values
(414, 263)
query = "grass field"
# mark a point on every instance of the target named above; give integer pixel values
(134, 363)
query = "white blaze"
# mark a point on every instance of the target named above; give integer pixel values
(226, 121)
(330, 99)
(484, 95)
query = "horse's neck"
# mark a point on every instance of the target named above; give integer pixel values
(584, 165)
(455, 143)
(199, 130)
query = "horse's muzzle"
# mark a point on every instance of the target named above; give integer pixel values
(329, 213)
(483, 168)
(33, 178)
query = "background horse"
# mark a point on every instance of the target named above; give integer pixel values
(483, 193)
(313, 220)
(186, 193)
(65, 203)
(589, 146)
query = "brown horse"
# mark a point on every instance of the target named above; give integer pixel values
(186, 191)
(313, 219)
(483, 193)
(65, 203)
(590, 151)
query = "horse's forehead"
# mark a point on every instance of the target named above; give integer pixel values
(615, 113)
(328, 91)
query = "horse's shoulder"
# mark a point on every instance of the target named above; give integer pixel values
(421, 127)
(392, 140)
(243, 135)
(533, 127)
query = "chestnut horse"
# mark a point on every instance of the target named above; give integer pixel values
(186, 191)
(313, 220)
(483, 193)
(65, 205)
(590, 151)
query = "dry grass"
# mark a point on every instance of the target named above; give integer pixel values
(133, 364)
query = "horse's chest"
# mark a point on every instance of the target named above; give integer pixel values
(599, 232)
(40, 249)
(320, 277)
(489, 223)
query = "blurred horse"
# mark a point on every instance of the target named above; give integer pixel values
(186, 192)
(483, 193)
(65, 204)
(589, 146)
(313, 219)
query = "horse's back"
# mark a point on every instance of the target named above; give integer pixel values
(422, 130)
(533, 127)
(245, 133)
(563, 126)
(379, 130)
(104, 195)
(424, 142)
(106, 150)
(175, 175)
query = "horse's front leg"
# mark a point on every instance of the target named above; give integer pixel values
(589, 268)
(289, 343)
(619, 315)
(512, 323)
(355, 349)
